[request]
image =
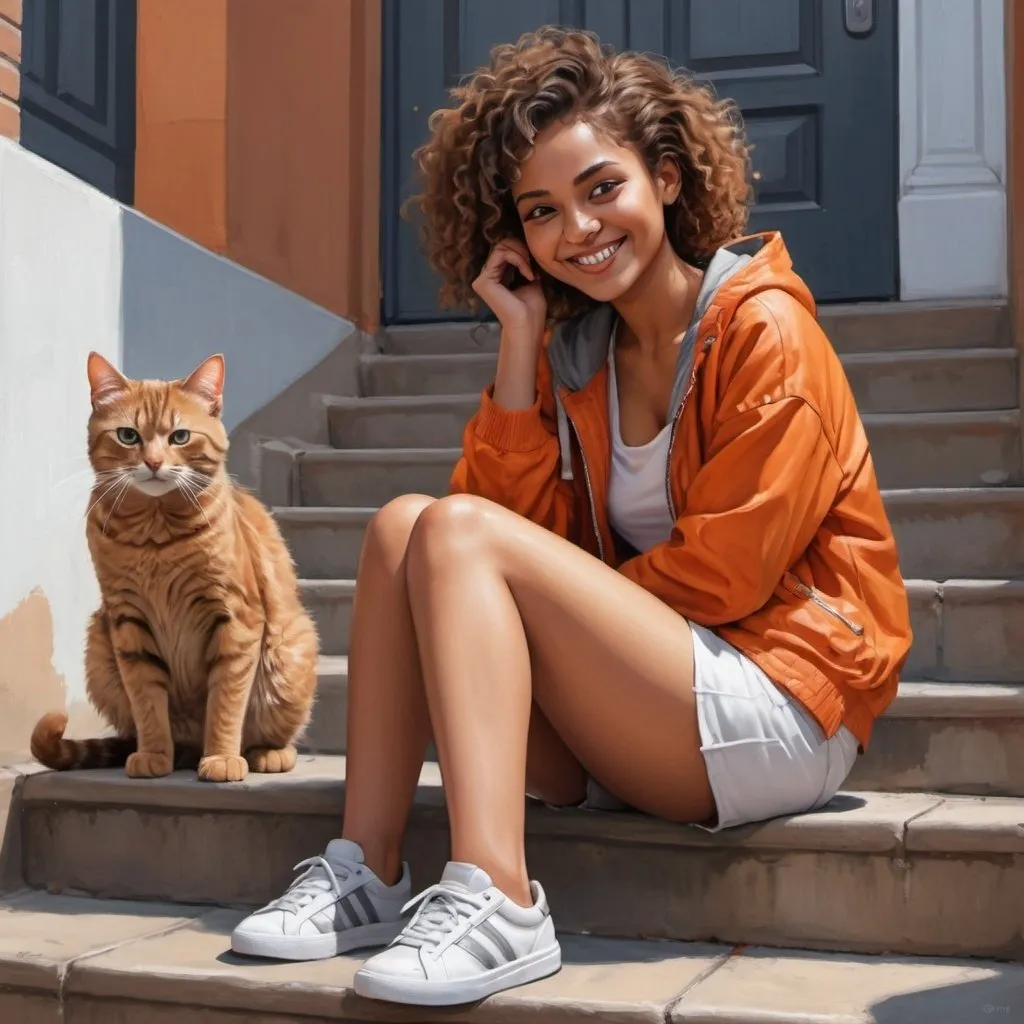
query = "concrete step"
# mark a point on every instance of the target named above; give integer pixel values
(929, 380)
(922, 450)
(941, 533)
(85, 961)
(854, 327)
(967, 630)
(911, 873)
(372, 477)
(958, 532)
(330, 604)
(963, 738)
(425, 421)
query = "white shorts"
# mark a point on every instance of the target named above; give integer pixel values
(766, 756)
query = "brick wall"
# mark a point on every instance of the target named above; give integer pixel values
(10, 72)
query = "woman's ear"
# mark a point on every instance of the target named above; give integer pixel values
(668, 180)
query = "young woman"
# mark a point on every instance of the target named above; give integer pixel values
(665, 572)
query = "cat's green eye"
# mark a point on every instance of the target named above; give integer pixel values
(180, 436)
(127, 435)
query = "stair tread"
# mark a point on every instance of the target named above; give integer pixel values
(863, 822)
(179, 956)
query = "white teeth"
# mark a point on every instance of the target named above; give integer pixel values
(598, 257)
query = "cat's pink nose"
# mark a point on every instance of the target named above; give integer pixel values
(153, 465)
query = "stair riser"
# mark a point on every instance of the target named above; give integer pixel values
(905, 456)
(371, 484)
(376, 427)
(327, 551)
(912, 902)
(958, 540)
(935, 541)
(881, 327)
(959, 634)
(965, 634)
(983, 756)
(913, 385)
(333, 617)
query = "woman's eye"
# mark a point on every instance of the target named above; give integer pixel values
(127, 435)
(537, 212)
(180, 437)
(604, 188)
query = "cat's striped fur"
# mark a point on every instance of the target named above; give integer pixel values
(201, 651)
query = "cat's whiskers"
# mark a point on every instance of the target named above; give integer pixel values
(181, 481)
(79, 473)
(109, 488)
(117, 501)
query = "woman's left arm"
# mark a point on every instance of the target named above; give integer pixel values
(752, 509)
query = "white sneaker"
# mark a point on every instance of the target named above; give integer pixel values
(336, 905)
(466, 941)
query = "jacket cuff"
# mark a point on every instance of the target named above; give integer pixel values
(510, 430)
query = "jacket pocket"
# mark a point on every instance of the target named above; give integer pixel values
(841, 624)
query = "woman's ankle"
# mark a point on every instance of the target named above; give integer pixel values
(383, 859)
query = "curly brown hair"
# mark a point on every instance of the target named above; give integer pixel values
(476, 147)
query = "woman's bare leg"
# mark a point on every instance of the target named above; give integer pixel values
(388, 724)
(612, 672)
(388, 727)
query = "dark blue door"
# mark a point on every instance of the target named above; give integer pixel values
(78, 89)
(815, 79)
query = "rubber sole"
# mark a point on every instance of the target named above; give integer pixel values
(315, 947)
(420, 992)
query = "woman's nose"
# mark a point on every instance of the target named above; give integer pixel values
(580, 225)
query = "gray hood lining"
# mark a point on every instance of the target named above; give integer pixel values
(580, 346)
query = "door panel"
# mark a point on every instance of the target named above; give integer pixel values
(819, 104)
(78, 89)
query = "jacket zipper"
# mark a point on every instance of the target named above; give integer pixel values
(708, 342)
(812, 595)
(590, 490)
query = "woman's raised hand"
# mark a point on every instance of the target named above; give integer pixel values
(521, 311)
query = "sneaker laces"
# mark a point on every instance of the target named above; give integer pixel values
(442, 910)
(319, 877)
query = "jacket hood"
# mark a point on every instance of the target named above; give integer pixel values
(737, 272)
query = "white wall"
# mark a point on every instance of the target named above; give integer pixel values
(78, 272)
(60, 296)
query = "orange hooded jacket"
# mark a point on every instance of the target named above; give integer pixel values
(781, 541)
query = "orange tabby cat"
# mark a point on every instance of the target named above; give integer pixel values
(200, 644)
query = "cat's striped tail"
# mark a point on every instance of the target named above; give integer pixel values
(50, 748)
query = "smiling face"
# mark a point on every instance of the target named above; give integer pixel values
(592, 213)
(156, 437)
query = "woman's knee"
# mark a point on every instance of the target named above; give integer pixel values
(389, 531)
(448, 530)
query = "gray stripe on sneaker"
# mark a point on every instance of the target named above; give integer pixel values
(501, 943)
(350, 910)
(372, 917)
(342, 917)
(474, 949)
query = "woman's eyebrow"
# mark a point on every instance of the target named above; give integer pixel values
(539, 193)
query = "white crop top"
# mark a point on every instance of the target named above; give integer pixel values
(638, 508)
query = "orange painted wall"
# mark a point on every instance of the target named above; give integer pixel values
(181, 112)
(259, 137)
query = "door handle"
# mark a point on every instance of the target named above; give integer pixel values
(859, 16)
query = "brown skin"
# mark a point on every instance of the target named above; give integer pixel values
(201, 644)
(530, 662)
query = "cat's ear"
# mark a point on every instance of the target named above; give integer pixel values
(106, 382)
(206, 382)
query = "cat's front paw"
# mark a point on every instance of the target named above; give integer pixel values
(223, 768)
(144, 764)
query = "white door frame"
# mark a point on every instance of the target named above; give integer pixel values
(952, 118)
